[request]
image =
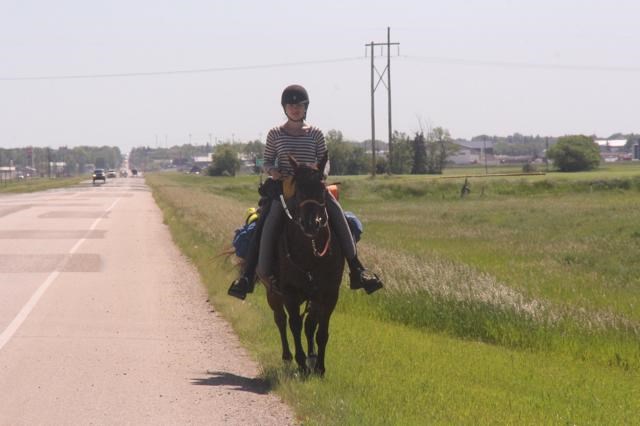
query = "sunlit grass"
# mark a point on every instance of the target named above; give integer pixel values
(497, 308)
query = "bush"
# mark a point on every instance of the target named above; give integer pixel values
(575, 153)
(225, 162)
(529, 168)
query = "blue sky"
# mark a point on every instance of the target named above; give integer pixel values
(473, 67)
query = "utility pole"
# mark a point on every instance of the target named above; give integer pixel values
(374, 86)
(373, 117)
(546, 153)
(484, 149)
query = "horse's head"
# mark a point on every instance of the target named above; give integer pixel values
(310, 211)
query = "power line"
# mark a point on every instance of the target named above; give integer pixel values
(520, 65)
(433, 60)
(177, 72)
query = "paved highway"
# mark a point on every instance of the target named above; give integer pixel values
(102, 320)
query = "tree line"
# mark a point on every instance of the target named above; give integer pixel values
(62, 161)
(423, 152)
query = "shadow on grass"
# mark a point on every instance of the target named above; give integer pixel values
(245, 384)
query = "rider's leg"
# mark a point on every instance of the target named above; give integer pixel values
(267, 256)
(359, 277)
(246, 282)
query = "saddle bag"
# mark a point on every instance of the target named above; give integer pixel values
(242, 238)
(354, 225)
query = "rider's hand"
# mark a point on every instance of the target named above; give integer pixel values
(275, 174)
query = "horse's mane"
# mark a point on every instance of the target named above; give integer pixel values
(308, 173)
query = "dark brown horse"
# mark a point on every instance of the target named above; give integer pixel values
(310, 266)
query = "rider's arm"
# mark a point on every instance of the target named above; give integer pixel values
(321, 151)
(270, 155)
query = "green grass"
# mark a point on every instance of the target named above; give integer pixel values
(507, 306)
(38, 184)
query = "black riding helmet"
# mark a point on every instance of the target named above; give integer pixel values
(295, 94)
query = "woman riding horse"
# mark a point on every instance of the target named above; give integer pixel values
(306, 144)
(310, 265)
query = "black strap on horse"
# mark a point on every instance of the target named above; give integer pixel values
(311, 286)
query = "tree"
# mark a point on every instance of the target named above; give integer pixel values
(225, 162)
(575, 153)
(346, 158)
(438, 148)
(253, 149)
(419, 166)
(402, 153)
(338, 152)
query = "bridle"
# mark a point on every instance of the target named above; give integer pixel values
(323, 225)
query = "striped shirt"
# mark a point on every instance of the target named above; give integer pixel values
(307, 148)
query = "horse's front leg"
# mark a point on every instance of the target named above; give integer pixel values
(280, 318)
(295, 323)
(322, 337)
(310, 324)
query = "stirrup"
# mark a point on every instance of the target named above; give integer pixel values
(239, 288)
(362, 278)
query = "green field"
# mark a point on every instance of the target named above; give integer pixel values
(518, 303)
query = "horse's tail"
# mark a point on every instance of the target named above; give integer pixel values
(228, 253)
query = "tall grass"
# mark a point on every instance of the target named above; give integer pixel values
(503, 307)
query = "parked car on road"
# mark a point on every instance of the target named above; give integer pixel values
(98, 174)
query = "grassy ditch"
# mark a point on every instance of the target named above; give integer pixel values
(501, 307)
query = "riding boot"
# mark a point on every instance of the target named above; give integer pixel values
(246, 283)
(359, 277)
(239, 288)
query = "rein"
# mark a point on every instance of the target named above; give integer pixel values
(326, 245)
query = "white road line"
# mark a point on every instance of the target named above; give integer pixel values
(15, 324)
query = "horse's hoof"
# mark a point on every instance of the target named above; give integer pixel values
(311, 362)
(304, 371)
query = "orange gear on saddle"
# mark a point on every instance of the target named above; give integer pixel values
(333, 189)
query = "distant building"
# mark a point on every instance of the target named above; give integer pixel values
(612, 150)
(612, 145)
(7, 172)
(473, 152)
(203, 161)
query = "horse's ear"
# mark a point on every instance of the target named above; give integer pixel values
(293, 161)
(323, 162)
